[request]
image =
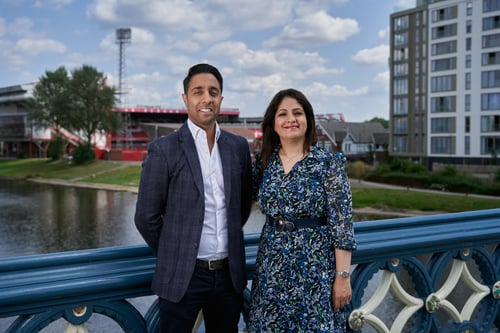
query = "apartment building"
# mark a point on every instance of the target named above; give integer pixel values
(445, 82)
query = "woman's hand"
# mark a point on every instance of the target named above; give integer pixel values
(341, 292)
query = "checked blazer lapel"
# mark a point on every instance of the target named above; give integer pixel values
(187, 145)
(225, 150)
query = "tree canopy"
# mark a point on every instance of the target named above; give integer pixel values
(81, 102)
(382, 121)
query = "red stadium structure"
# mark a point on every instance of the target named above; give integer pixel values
(147, 123)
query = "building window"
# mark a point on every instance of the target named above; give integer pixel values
(467, 124)
(490, 145)
(491, 41)
(468, 44)
(400, 39)
(443, 83)
(444, 47)
(444, 64)
(400, 144)
(441, 145)
(443, 14)
(444, 31)
(401, 105)
(400, 69)
(443, 104)
(467, 81)
(490, 101)
(491, 5)
(467, 102)
(443, 125)
(490, 124)
(400, 54)
(401, 23)
(492, 22)
(469, 8)
(467, 145)
(400, 86)
(490, 58)
(490, 79)
(400, 125)
(468, 27)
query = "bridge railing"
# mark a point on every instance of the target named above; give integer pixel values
(437, 273)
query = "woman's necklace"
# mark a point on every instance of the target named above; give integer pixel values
(291, 158)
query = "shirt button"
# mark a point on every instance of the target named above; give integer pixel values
(195, 245)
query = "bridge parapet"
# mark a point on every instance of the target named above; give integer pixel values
(437, 273)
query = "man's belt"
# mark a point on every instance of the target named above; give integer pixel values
(295, 224)
(213, 265)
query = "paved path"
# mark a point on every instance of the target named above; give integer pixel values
(355, 183)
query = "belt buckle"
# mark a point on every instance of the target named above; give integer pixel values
(281, 225)
(212, 265)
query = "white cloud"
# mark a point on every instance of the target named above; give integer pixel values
(405, 4)
(170, 15)
(21, 26)
(35, 47)
(314, 29)
(251, 15)
(55, 4)
(383, 35)
(377, 55)
(381, 80)
(334, 90)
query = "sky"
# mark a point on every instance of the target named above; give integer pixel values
(335, 51)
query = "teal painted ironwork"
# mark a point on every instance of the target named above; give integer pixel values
(433, 252)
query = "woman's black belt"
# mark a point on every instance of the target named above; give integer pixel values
(295, 224)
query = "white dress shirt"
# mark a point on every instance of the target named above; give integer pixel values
(213, 243)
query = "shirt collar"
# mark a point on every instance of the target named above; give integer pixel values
(196, 130)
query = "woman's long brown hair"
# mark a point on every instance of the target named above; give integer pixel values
(270, 139)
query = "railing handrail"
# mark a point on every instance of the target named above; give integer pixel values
(35, 283)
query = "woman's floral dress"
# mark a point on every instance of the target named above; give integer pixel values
(292, 286)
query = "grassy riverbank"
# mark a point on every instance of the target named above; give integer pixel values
(128, 174)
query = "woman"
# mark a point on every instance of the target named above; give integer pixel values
(302, 273)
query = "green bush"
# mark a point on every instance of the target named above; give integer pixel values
(83, 155)
(402, 165)
(449, 170)
(447, 180)
(56, 149)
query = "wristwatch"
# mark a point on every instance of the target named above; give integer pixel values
(344, 273)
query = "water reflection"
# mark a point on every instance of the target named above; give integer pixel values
(39, 218)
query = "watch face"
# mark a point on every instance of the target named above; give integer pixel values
(344, 274)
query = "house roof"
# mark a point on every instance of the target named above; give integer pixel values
(364, 132)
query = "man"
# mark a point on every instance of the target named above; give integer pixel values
(194, 198)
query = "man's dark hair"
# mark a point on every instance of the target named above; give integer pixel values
(199, 69)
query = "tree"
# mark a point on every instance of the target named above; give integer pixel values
(50, 104)
(92, 103)
(382, 121)
(49, 107)
(81, 103)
